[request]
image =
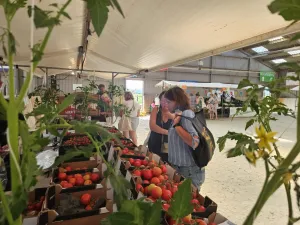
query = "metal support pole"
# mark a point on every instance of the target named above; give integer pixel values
(211, 66)
(249, 64)
(113, 76)
(46, 79)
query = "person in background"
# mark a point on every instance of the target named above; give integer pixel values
(152, 106)
(160, 122)
(198, 102)
(183, 137)
(216, 105)
(192, 100)
(133, 108)
(104, 102)
(210, 106)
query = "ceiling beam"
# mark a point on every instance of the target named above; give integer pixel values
(238, 45)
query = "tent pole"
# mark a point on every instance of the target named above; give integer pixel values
(72, 69)
(113, 75)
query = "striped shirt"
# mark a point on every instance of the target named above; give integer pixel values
(180, 154)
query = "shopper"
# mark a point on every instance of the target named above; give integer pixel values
(132, 108)
(216, 105)
(211, 106)
(198, 102)
(160, 122)
(183, 138)
(104, 102)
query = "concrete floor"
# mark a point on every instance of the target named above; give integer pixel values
(233, 183)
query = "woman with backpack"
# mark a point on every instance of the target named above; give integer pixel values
(160, 122)
(183, 137)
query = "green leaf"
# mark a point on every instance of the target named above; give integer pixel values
(53, 131)
(12, 46)
(37, 54)
(222, 141)
(249, 123)
(181, 201)
(66, 15)
(117, 5)
(66, 102)
(244, 83)
(99, 14)
(132, 207)
(42, 18)
(123, 218)
(70, 155)
(152, 215)
(236, 151)
(288, 9)
(295, 37)
(54, 5)
(120, 186)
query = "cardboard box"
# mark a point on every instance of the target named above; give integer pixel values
(80, 164)
(33, 196)
(57, 199)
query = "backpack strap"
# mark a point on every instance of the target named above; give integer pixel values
(191, 119)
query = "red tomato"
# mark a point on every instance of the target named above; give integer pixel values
(85, 199)
(62, 176)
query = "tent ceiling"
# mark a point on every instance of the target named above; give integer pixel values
(154, 34)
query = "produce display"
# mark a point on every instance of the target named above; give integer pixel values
(33, 208)
(68, 178)
(80, 196)
(70, 204)
(3, 151)
(77, 141)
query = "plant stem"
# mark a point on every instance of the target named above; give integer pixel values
(272, 185)
(6, 205)
(290, 204)
(3, 102)
(29, 76)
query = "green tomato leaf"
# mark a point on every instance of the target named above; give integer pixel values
(234, 152)
(288, 9)
(181, 202)
(123, 218)
(66, 15)
(249, 123)
(221, 142)
(244, 83)
(152, 215)
(42, 18)
(66, 102)
(54, 5)
(53, 131)
(120, 186)
(99, 14)
(12, 46)
(295, 37)
(132, 207)
(117, 5)
(71, 154)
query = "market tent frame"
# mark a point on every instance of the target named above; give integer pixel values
(164, 83)
(154, 34)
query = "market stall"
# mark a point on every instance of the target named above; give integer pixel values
(77, 191)
(230, 98)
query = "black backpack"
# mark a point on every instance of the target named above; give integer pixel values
(205, 150)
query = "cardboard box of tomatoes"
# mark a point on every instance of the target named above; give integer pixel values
(66, 206)
(36, 200)
(79, 178)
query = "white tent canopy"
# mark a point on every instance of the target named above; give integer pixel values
(155, 34)
(295, 88)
